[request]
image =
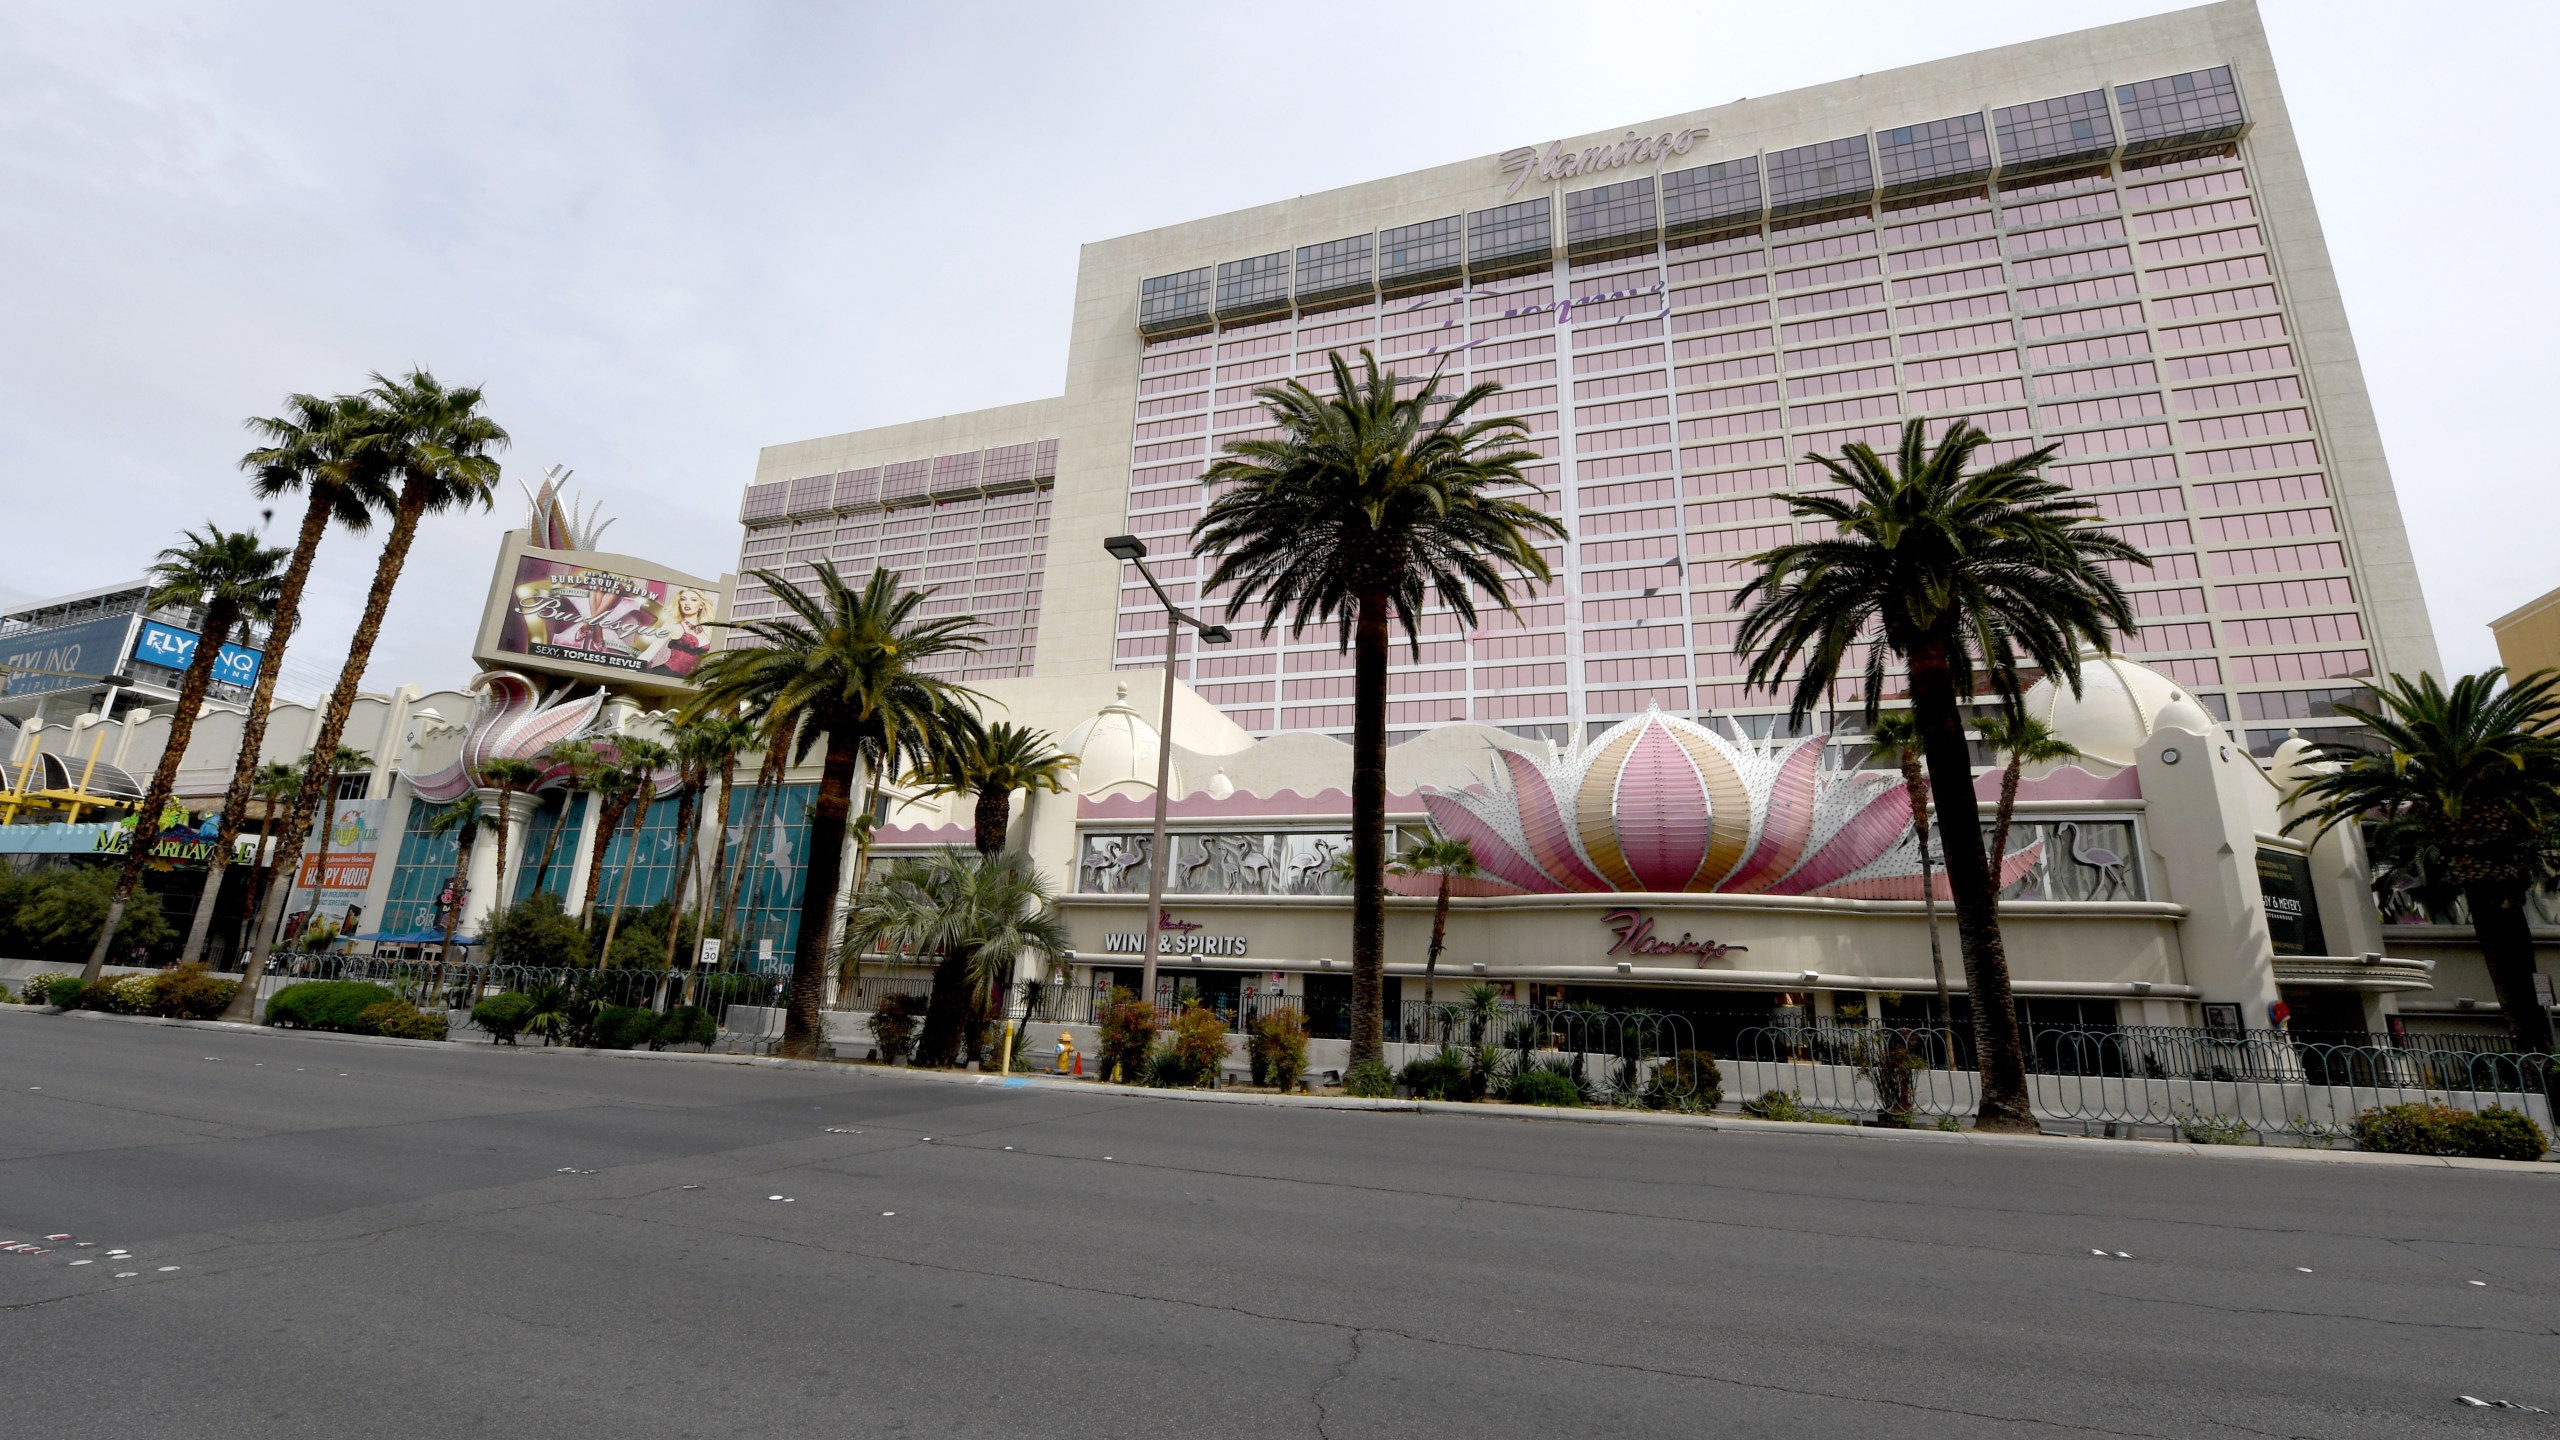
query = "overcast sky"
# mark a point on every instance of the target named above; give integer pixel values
(664, 236)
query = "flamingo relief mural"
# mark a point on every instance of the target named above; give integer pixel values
(1659, 804)
(512, 721)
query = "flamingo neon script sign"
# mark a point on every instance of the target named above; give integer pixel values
(1557, 163)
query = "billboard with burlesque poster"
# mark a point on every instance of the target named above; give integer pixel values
(589, 615)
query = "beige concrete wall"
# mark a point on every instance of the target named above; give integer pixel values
(2529, 637)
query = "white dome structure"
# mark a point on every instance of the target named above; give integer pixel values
(1115, 751)
(2119, 705)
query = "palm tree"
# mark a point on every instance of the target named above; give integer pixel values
(978, 913)
(276, 783)
(2469, 778)
(842, 663)
(1450, 860)
(640, 761)
(463, 816)
(437, 444)
(2026, 741)
(232, 579)
(777, 744)
(991, 763)
(704, 745)
(582, 760)
(1956, 574)
(1363, 507)
(1896, 731)
(510, 777)
(310, 448)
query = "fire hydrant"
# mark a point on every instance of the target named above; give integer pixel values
(1068, 1060)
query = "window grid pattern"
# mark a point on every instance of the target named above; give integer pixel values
(1335, 270)
(1712, 197)
(2201, 107)
(2049, 134)
(1827, 176)
(1510, 236)
(1171, 303)
(1939, 155)
(1609, 217)
(1414, 256)
(1249, 289)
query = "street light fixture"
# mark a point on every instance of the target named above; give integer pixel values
(1130, 550)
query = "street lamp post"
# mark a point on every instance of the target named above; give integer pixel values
(1132, 550)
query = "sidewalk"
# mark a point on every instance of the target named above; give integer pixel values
(1536, 1114)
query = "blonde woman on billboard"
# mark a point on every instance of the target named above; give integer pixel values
(683, 634)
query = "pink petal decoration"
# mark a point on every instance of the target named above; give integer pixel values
(1870, 833)
(1550, 842)
(1492, 851)
(1595, 804)
(1661, 811)
(1789, 827)
(1728, 809)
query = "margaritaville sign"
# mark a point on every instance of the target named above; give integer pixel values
(1636, 937)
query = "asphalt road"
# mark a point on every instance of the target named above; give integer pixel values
(329, 1239)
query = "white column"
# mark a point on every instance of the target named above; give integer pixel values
(483, 897)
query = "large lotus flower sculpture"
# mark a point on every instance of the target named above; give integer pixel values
(509, 720)
(1660, 804)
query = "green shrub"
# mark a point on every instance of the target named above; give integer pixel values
(640, 943)
(1690, 1082)
(685, 1025)
(1200, 1042)
(535, 932)
(1445, 1075)
(1539, 1086)
(133, 994)
(326, 1005)
(503, 1016)
(99, 994)
(1788, 1105)
(1279, 1049)
(2425, 1129)
(894, 1022)
(402, 1021)
(2197, 1128)
(188, 993)
(61, 990)
(55, 915)
(1128, 1035)
(1369, 1080)
(623, 1027)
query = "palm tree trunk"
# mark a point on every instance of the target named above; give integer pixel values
(995, 816)
(801, 1035)
(1918, 789)
(333, 728)
(261, 876)
(453, 913)
(850, 973)
(2008, 807)
(2505, 938)
(1439, 930)
(608, 821)
(1369, 831)
(688, 812)
(253, 731)
(630, 862)
(706, 913)
(946, 1013)
(218, 620)
(551, 842)
(498, 899)
(320, 874)
(2005, 1103)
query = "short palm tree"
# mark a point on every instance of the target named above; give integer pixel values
(704, 746)
(978, 914)
(2025, 741)
(435, 443)
(842, 664)
(582, 761)
(2470, 779)
(310, 448)
(1895, 733)
(640, 760)
(233, 580)
(275, 783)
(991, 762)
(463, 819)
(1958, 573)
(510, 777)
(1363, 508)
(1450, 860)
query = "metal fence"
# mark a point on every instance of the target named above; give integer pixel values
(460, 986)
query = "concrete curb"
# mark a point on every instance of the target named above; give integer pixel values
(1489, 1111)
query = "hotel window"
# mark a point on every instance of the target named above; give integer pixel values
(2045, 134)
(764, 502)
(1712, 197)
(1415, 257)
(1609, 218)
(1335, 271)
(1938, 155)
(2201, 107)
(1510, 238)
(1254, 288)
(1170, 304)
(1828, 176)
